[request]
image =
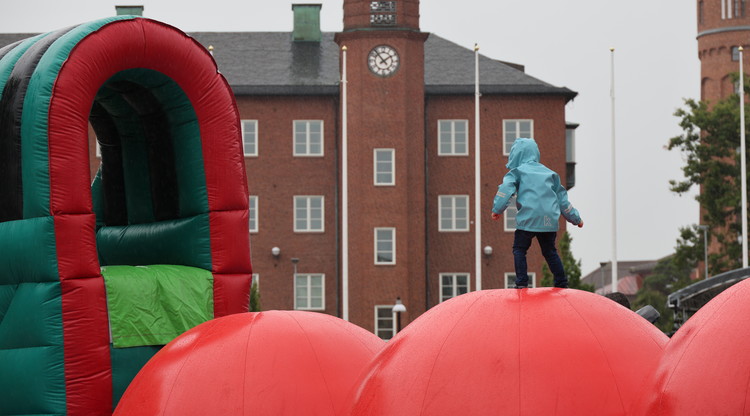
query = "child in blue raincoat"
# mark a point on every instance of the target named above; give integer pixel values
(540, 199)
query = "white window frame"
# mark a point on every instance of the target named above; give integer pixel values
(378, 319)
(393, 244)
(254, 132)
(510, 280)
(516, 122)
(452, 142)
(308, 213)
(309, 298)
(307, 152)
(255, 281)
(442, 200)
(252, 213)
(376, 167)
(453, 284)
(511, 209)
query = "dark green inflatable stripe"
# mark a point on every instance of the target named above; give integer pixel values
(34, 139)
(28, 251)
(180, 242)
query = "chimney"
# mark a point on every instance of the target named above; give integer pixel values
(129, 10)
(306, 22)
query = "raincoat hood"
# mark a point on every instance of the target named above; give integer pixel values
(523, 151)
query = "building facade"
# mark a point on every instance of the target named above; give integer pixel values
(409, 162)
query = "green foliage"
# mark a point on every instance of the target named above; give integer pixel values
(710, 144)
(670, 274)
(571, 265)
(254, 298)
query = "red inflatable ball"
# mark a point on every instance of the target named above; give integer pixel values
(265, 363)
(706, 366)
(514, 352)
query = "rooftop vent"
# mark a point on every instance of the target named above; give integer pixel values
(129, 10)
(306, 22)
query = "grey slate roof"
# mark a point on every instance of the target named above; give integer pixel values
(270, 63)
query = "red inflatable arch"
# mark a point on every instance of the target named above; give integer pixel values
(172, 190)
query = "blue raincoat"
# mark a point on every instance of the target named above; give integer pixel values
(540, 196)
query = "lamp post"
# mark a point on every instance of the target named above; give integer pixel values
(705, 248)
(397, 309)
(294, 262)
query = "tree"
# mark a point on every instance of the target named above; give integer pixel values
(710, 146)
(571, 265)
(670, 274)
(254, 297)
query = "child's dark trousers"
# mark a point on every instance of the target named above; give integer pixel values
(521, 244)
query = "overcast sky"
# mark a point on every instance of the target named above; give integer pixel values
(565, 43)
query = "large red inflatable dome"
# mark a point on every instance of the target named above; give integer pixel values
(514, 352)
(265, 363)
(705, 369)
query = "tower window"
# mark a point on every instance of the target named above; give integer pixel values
(735, 53)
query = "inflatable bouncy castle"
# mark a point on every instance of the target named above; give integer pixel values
(94, 278)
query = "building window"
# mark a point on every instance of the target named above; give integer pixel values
(250, 137)
(253, 213)
(255, 281)
(735, 53)
(510, 215)
(309, 292)
(453, 211)
(384, 167)
(385, 246)
(453, 138)
(308, 138)
(730, 9)
(308, 213)
(513, 129)
(510, 280)
(453, 284)
(385, 325)
(701, 11)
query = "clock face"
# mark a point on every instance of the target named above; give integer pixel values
(383, 60)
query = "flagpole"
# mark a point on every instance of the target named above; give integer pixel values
(614, 170)
(477, 176)
(344, 195)
(743, 162)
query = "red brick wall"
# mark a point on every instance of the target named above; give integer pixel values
(275, 176)
(454, 175)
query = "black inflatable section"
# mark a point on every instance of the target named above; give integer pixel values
(11, 111)
(113, 182)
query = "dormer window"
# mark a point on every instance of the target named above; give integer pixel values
(382, 13)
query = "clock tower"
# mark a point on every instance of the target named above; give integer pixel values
(386, 139)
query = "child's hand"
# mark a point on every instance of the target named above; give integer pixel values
(495, 217)
(580, 224)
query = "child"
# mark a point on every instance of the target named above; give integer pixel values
(540, 200)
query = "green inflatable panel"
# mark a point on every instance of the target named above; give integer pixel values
(151, 305)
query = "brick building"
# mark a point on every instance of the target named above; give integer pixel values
(410, 160)
(723, 26)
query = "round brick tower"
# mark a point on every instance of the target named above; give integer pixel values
(723, 26)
